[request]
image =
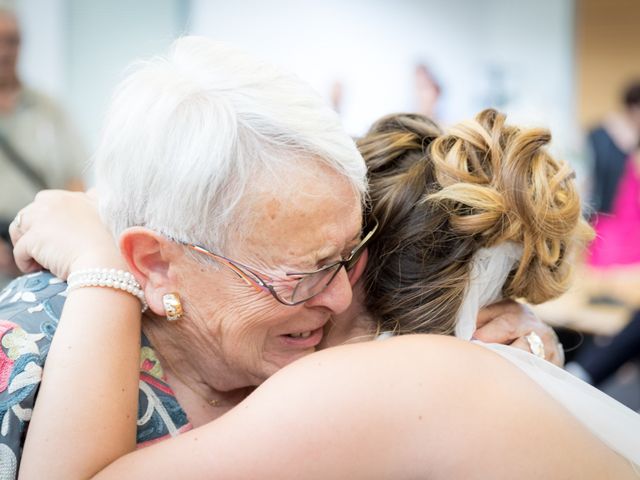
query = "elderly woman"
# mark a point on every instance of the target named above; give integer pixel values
(415, 406)
(207, 147)
(236, 198)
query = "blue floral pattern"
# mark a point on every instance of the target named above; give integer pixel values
(30, 309)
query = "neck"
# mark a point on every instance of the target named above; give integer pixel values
(203, 388)
(355, 324)
(201, 403)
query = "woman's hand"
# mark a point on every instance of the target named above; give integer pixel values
(509, 322)
(61, 231)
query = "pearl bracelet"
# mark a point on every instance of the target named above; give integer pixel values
(107, 277)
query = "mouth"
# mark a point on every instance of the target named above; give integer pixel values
(305, 339)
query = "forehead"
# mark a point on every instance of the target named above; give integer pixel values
(310, 214)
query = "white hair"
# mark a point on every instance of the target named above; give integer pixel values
(186, 134)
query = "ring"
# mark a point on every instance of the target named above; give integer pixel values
(535, 344)
(18, 220)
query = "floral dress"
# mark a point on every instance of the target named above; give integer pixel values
(30, 309)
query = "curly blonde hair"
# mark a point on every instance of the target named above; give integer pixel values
(439, 197)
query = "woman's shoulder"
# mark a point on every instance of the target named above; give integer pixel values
(435, 398)
(415, 352)
(411, 373)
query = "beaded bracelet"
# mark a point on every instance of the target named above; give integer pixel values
(110, 278)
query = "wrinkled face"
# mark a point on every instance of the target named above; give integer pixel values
(9, 47)
(299, 225)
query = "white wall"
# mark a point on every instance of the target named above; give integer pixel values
(77, 50)
(103, 37)
(373, 46)
(43, 57)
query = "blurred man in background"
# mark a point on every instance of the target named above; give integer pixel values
(38, 147)
(616, 248)
(611, 144)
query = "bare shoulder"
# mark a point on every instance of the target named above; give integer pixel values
(405, 356)
(427, 400)
(418, 406)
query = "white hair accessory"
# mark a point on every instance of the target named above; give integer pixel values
(489, 270)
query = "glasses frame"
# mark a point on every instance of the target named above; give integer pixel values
(255, 279)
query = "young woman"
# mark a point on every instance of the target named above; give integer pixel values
(483, 205)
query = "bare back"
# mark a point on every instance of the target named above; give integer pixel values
(418, 406)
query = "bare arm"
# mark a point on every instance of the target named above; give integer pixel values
(89, 388)
(87, 403)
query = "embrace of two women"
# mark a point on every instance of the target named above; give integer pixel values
(253, 234)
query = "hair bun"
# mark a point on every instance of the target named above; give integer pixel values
(394, 149)
(500, 184)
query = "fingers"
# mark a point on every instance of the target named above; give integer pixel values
(22, 254)
(522, 344)
(509, 323)
(57, 229)
(552, 347)
(15, 227)
(21, 225)
(495, 310)
(504, 328)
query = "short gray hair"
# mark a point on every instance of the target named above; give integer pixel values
(186, 134)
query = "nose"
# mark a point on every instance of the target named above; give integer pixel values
(337, 296)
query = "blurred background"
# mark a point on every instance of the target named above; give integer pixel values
(570, 65)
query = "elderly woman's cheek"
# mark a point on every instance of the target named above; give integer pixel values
(252, 334)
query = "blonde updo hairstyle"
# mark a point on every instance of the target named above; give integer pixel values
(439, 197)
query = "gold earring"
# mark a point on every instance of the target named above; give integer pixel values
(172, 306)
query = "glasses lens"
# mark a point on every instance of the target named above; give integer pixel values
(314, 283)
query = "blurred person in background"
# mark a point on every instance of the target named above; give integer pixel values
(616, 181)
(611, 144)
(38, 147)
(427, 90)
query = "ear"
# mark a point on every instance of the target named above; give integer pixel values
(358, 269)
(149, 256)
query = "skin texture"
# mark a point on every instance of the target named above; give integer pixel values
(235, 334)
(223, 314)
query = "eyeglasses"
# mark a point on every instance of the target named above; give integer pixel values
(298, 287)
